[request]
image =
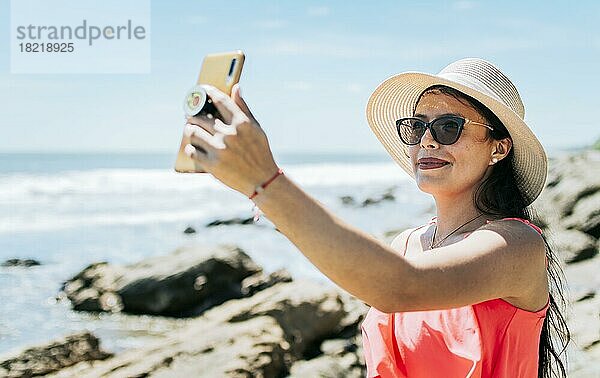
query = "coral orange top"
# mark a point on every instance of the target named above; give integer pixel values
(487, 339)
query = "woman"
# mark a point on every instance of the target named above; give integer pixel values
(472, 292)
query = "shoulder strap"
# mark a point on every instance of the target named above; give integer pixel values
(539, 230)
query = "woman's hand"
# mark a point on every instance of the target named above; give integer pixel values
(236, 150)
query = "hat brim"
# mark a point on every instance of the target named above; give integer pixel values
(396, 97)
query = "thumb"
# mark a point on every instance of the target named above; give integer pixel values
(241, 103)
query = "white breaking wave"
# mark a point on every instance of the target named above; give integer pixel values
(101, 181)
(49, 222)
(338, 174)
(132, 181)
(104, 197)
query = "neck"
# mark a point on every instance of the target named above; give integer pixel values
(454, 211)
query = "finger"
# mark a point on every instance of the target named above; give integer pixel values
(200, 137)
(222, 102)
(200, 145)
(204, 122)
(239, 100)
(215, 141)
(222, 128)
(192, 151)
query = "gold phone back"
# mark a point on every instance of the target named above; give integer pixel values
(215, 71)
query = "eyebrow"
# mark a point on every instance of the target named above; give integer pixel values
(419, 115)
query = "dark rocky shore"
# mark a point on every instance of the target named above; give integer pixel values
(242, 322)
(569, 208)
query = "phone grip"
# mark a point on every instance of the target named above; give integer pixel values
(198, 103)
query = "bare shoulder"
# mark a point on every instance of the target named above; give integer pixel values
(517, 239)
(527, 245)
(501, 259)
(517, 233)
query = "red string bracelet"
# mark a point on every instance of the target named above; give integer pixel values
(260, 189)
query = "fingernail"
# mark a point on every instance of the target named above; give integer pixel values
(239, 91)
(189, 130)
(189, 149)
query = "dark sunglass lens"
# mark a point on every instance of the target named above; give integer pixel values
(411, 130)
(447, 130)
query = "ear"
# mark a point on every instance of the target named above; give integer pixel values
(500, 149)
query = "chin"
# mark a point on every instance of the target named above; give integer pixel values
(428, 186)
(433, 184)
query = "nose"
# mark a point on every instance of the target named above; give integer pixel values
(427, 140)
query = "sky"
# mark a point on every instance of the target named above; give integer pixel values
(310, 69)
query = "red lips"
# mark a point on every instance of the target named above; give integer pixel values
(430, 160)
(431, 163)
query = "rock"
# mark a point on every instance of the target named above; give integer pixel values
(570, 205)
(573, 245)
(570, 179)
(348, 200)
(336, 347)
(586, 215)
(340, 355)
(583, 317)
(387, 196)
(189, 230)
(588, 295)
(203, 349)
(21, 262)
(339, 358)
(355, 311)
(327, 366)
(307, 312)
(584, 324)
(258, 282)
(259, 336)
(582, 278)
(85, 289)
(183, 283)
(228, 222)
(59, 354)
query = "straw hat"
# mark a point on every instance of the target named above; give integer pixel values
(396, 97)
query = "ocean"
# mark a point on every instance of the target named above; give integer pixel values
(68, 210)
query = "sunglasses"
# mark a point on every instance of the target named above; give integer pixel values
(444, 130)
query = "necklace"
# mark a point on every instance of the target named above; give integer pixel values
(431, 245)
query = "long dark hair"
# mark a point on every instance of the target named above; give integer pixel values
(499, 196)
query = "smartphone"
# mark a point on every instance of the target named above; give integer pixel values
(221, 70)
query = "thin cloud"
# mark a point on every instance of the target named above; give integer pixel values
(347, 46)
(196, 20)
(354, 88)
(319, 11)
(352, 47)
(270, 24)
(301, 86)
(323, 49)
(464, 4)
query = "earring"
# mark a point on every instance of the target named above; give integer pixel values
(494, 160)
